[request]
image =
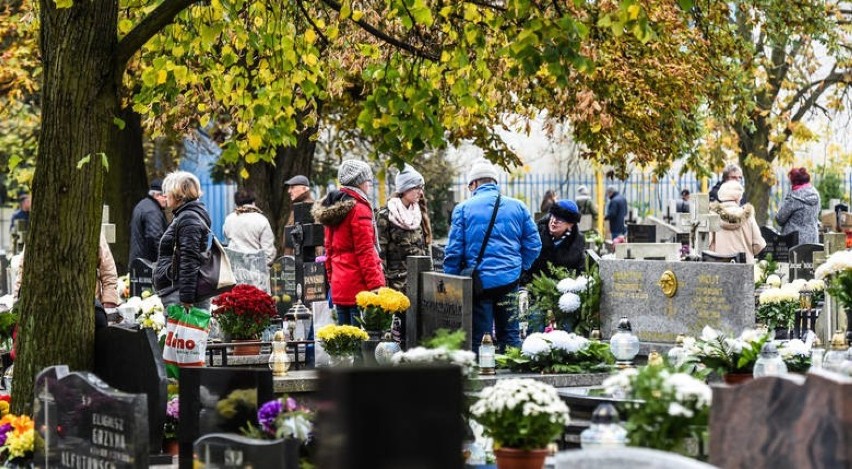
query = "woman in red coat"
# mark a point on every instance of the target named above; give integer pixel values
(351, 246)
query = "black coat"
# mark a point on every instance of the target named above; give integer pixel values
(571, 252)
(192, 226)
(146, 228)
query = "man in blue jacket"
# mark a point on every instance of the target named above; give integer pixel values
(513, 246)
(616, 212)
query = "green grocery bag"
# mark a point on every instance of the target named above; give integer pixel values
(186, 338)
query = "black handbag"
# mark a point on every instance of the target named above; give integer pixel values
(215, 275)
(471, 271)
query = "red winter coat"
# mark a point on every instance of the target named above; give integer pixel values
(352, 261)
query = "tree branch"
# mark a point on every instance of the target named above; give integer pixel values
(312, 23)
(386, 37)
(152, 24)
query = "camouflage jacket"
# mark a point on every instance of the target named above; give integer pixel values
(397, 244)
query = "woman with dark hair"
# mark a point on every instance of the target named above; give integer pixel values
(247, 228)
(800, 209)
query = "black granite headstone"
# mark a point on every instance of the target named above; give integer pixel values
(383, 418)
(219, 400)
(709, 256)
(415, 266)
(777, 245)
(314, 282)
(225, 450)
(86, 423)
(130, 360)
(802, 261)
(282, 282)
(637, 233)
(445, 302)
(141, 277)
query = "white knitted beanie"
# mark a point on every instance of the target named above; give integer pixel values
(482, 168)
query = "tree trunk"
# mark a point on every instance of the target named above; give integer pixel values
(79, 102)
(755, 144)
(267, 180)
(126, 183)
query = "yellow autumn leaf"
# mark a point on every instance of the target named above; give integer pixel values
(124, 26)
(633, 11)
(310, 36)
(244, 174)
(64, 3)
(357, 15)
(311, 60)
(254, 141)
(161, 77)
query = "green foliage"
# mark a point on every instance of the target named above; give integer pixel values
(596, 358)
(724, 354)
(767, 266)
(8, 321)
(590, 306)
(829, 185)
(544, 301)
(777, 315)
(450, 340)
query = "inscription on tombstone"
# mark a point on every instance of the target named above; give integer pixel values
(777, 245)
(637, 233)
(229, 450)
(802, 261)
(86, 423)
(717, 295)
(250, 268)
(282, 277)
(141, 277)
(314, 282)
(445, 302)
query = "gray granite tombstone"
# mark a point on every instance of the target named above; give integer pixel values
(86, 423)
(416, 266)
(141, 277)
(618, 458)
(719, 295)
(783, 421)
(802, 261)
(444, 302)
(249, 268)
(225, 450)
(218, 400)
(130, 360)
(383, 418)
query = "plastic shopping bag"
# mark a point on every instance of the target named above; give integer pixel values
(186, 338)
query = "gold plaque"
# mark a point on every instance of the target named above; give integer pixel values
(668, 283)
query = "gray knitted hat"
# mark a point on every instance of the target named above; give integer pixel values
(354, 173)
(480, 169)
(407, 179)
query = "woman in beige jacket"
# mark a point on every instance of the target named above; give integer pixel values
(739, 230)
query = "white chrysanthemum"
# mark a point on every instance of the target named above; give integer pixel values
(838, 262)
(569, 302)
(736, 345)
(773, 281)
(686, 388)
(620, 384)
(795, 347)
(531, 397)
(816, 285)
(677, 410)
(568, 342)
(752, 335)
(709, 334)
(565, 285)
(151, 304)
(534, 346)
(134, 301)
(758, 273)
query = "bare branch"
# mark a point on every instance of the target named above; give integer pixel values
(152, 24)
(387, 37)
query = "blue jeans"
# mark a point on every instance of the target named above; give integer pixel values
(348, 315)
(500, 312)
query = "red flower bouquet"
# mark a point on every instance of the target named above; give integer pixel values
(244, 312)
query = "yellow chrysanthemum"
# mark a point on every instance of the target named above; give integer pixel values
(366, 299)
(19, 444)
(4, 407)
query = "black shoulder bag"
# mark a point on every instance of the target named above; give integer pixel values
(214, 273)
(471, 271)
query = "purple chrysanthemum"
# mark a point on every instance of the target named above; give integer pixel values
(173, 408)
(291, 404)
(4, 431)
(267, 414)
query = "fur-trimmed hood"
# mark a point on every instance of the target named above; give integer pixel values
(732, 215)
(332, 209)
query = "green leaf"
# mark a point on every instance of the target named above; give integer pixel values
(64, 3)
(84, 160)
(105, 161)
(118, 123)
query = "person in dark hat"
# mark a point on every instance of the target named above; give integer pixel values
(147, 224)
(299, 190)
(562, 244)
(683, 203)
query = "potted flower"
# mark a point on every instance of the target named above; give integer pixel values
(377, 309)
(837, 273)
(284, 419)
(522, 416)
(777, 307)
(561, 300)
(170, 428)
(731, 357)
(243, 313)
(665, 406)
(341, 342)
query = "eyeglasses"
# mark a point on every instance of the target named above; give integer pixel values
(557, 221)
(471, 186)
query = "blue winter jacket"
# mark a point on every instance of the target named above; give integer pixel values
(514, 244)
(616, 213)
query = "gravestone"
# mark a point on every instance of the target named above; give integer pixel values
(833, 242)
(130, 360)
(637, 233)
(249, 268)
(141, 277)
(382, 418)
(438, 256)
(777, 245)
(618, 458)
(218, 400)
(315, 289)
(444, 302)
(282, 282)
(415, 266)
(223, 450)
(717, 295)
(783, 421)
(86, 423)
(802, 261)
